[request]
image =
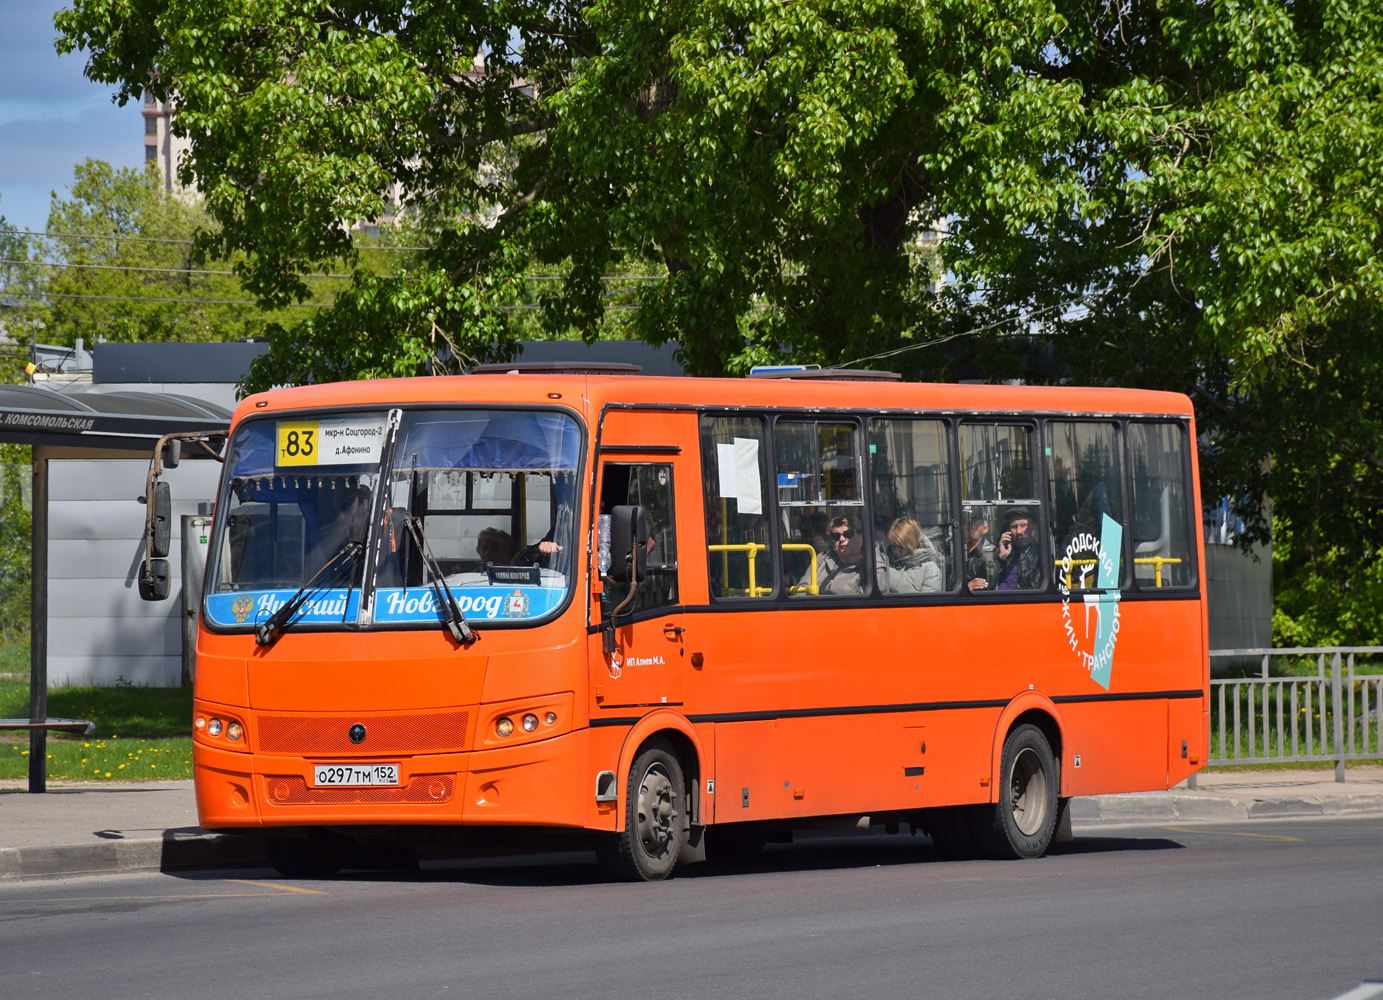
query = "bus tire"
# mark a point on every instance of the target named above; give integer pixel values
(320, 854)
(655, 818)
(1022, 822)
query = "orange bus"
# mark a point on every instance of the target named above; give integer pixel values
(662, 613)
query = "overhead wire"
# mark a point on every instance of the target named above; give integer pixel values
(149, 239)
(240, 302)
(1025, 317)
(194, 270)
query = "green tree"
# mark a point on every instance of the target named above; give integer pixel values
(122, 264)
(1165, 193)
(19, 284)
(15, 537)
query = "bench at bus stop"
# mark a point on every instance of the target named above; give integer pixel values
(45, 726)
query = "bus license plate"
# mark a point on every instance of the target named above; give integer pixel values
(338, 775)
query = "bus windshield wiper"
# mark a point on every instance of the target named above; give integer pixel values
(338, 565)
(452, 617)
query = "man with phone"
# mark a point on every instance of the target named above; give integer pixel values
(1019, 566)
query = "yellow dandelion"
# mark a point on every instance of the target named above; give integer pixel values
(107, 773)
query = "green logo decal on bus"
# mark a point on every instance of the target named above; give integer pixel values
(1086, 554)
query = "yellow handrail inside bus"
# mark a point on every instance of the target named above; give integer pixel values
(1155, 561)
(1158, 562)
(752, 549)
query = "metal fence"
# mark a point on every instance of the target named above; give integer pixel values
(1288, 712)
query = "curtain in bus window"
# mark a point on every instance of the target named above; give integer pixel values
(734, 454)
(1001, 513)
(1162, 554)
(909, 472)
(1085, 487)
(824, 540)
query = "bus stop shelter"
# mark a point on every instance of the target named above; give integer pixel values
(81, 422)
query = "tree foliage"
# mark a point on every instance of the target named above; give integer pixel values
(1168, 193)
(120, 262)
(16, 527)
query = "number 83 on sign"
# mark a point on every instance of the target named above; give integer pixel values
(297, 442)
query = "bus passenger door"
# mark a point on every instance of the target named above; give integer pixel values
(647, 662)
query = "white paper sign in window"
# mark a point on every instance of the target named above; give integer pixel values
(739, 474)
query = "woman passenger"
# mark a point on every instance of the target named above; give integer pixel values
(914, 566)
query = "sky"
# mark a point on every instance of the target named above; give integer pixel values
(51, 116)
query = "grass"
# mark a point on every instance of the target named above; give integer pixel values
(92, 759)
(142, 733)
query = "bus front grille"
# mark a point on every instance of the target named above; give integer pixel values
(314, 735)
(290, 790)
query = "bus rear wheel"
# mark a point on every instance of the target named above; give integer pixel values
(655, 818)
(1022, 822)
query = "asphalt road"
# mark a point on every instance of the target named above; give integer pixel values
(1255, 910)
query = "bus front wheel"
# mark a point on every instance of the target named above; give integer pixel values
(1022, 822)
(655, 818)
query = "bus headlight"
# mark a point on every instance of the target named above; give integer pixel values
(234, 731)
(214, 727)
(530, 722)
(504, 726)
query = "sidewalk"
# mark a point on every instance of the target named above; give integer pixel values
(87, 827)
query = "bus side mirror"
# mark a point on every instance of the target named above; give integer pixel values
(153, 580)
(172, 453)
(628, 551)
(160, 521)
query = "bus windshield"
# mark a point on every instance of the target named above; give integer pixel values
(363, 513)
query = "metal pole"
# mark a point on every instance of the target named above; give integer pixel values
(1339, 710)
(38, 623)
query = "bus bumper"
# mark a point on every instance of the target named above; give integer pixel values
(544, 783)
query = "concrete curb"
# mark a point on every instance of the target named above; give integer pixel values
(1205, 807)
(178, 850)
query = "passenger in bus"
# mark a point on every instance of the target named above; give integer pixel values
(495, 547)
(1019, 566)
(841, 570)
(979, 551)
(914, 564)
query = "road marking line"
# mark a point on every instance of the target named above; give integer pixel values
(1230, 833)
(122, 899)
(275, 885)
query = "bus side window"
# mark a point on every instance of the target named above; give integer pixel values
(824, 542)
(734, 457)
(1085, 487)
(997, 489)
(1162, 548)
(909, 473)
